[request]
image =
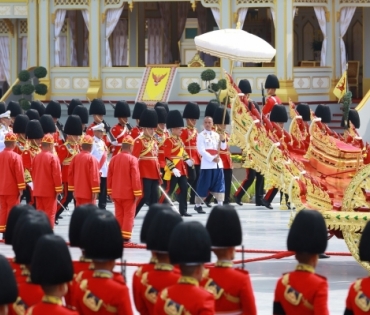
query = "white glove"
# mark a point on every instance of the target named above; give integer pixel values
(189, 162)
(176, 172)
(115, 143)
(31, 185)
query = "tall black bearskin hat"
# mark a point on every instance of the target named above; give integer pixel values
(73, 126)
(78, 218)
(54, 109)
(160, 230)
(28, 229)
(191, 111)
(83, 113)
(272, 82)
(33, 114)
(2, 108)
(47, 124)
(15, 213)
(34, 130)
(308, 233)
(101, 237)
(97, 107)
(51, 262)
(149, 118)
(161, 114)
(122, 109)
(190, 244)
(278, 114)
(218, 116)
(72, 105)
(162, 104)
(364, 248)
(210, 109)
(221, 221)
(174, 119)
(138, 110)
(15, 109)
(154, 209)
(245, 86)
(38, 106)
(20, 123)
(354, 118)
(304, 110)
(8, 284)
(323, 112)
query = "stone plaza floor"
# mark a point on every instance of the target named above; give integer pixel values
(262, 229)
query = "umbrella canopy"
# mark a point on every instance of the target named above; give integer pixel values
(236, 45)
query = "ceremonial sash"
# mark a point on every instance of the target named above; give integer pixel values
(167, 171)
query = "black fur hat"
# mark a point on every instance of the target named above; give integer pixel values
(323, 112)
(364, 248)
(20, 123)
(272, 82)
(2, 108)
(174, 119)
(138, 110)
(15, 213)
(47, 124)
(304, 110)
(162, 104)
(308, 233)
(160, 230)
(33, 114)
(38, 106)
(245, 86)
(15, 109)
(161, 113)
(34, 130)
(191, 111)
(97, 107)
(221, 221)
(154, 209)
(149, 118)
(83, 113)
(278, 114)
(354, 118)
(8, 284)
(122, 109)
(210, 109)
(72, 105)
(54, 109)
(73, 126)
(218, 116)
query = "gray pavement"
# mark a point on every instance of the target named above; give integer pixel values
(262, 229)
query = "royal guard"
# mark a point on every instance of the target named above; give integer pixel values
(8, 285)
(5, 122)
(47, 178)
(72, 105)
(83, 113)
(15, 110)
(323, 111)
(160, 136)
(122, 112)
(19, 128)
(33, 114)
(136, 114)
(188, 136)
(146, 150)
(190, 247)
(66, 152)
(304, 111)
(164, 274)
(124, 186)
(52, 269)
(271, 84)
(37, 105)
(12, 181)
(55, 111)
(48, 127)
(176, 160)
(99, 292)
(97, 110)
(303, 291)
(34, 135)
(83, 174)
(162, 104)
(231, 287)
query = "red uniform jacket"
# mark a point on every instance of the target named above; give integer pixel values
(301, 292)
(160, 137)
(153, 282)
(12, 176)
(175, 155)
(28, 156)
(358, 299)
(17, 270)
(84, 178)
(135, 132)
(136, 279)
(90, 133)
(185, 297)
(100, 292)
(231, 288)
(21, 145)
(50, 305)
(189, 138)
(146, 150)
(119, 132)
(123, 180)
(46, 175)
(66, 152)
(225, 156)
(270, 102)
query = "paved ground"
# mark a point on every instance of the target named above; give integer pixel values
(262, 229)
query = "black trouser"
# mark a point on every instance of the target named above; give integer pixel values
(247, 182)
(193, 175)
(272, 193)
(228, 176)
(150, 193)
(30, 200)
(182, 196)
(67, 198)
(102, 203)
(260, 184)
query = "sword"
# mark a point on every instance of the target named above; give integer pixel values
(67, 210)
(169, 199)
(239, 186)
(196, 193)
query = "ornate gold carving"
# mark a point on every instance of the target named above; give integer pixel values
(196, 61)
(71, 2)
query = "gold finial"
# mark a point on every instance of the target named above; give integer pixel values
(238, 25)
(131, 6)
(193, 5)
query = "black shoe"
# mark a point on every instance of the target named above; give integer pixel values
(266, 204)
(215, 201)
(323, 256)
(199, 209)
(238, 200)
(186, 214)
(207, 204)
(109, 200)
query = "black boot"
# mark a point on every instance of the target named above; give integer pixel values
(199, 209)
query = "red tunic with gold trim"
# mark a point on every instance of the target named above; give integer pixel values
(161, 136)
(189, 138)
(90, 133)
(101, 293)
(119, 132)
(135, 132)
(21, 145)
(28, 156)
(358, 299)
(231, 288)
(50, 305)
(66, 152)
(146, 150)
(175, 156)
(271, 100)
(225, 155)
(17, 269)
(301, 292)
(153, 282)
(185, 297)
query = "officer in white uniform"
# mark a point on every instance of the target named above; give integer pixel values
(5, 122)
(100, 152)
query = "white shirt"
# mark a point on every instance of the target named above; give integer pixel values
(3, 131)
(209, 140)
(98, 151)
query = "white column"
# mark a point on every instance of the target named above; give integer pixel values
(32, 26)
